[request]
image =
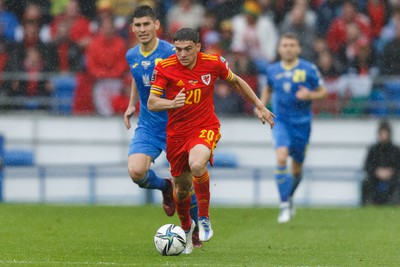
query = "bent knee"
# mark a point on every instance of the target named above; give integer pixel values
(136, 174)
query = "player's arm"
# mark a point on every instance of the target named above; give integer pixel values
(133, 100)
(157, 103)
(305, 94)
(244, 89)
(265, 96)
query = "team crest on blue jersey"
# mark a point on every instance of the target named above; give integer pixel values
(145, 64)
(206, 79)
(287, 86)
(146, 79)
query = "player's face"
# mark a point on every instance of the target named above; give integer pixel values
(289, 49)
(186, 52)
(145, 29)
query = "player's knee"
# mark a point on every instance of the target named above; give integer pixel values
(281, 159)
(197, 168)
(136, 174)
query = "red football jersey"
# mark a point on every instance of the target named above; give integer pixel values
(170, 76)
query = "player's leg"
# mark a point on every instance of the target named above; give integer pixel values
(283, 179)
(300, 136)
(198, 157)
(144, 148)
(141, 174)
(297, 175)
(284, 183)
(183, 185)
(194, 214)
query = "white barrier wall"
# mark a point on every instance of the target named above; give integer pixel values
(96, 140)
(335, 145)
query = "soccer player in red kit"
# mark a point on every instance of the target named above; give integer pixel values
(183, 84)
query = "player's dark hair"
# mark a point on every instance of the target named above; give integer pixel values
(187, 34)
(290, 35)
(385, 126)
(144, 11)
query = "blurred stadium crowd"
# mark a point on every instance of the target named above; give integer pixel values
(68, 56)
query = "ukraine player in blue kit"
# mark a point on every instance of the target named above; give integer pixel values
(150, 135)
(292, 84)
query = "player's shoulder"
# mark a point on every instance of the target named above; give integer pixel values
(276, 66)
(305, 63)
(210, 57)
(168, 62)
(133, 52)
(165, 45)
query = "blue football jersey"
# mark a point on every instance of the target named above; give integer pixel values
(285, 82)
(142, 66)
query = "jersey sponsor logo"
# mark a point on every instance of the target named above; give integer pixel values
(180, 83)
(134, 65)
(146, 64)
(206, 79)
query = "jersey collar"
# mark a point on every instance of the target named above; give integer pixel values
(146, 54)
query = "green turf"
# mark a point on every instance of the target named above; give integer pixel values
(53, 235)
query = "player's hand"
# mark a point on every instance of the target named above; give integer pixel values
(179, 99)
(303, 93)
(128, 114)
(265, 116)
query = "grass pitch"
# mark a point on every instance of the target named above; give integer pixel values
(54, 235)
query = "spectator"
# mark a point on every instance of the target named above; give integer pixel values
(296, 23)
(78, 26)
(185, 13)
(363, 63)
(390, 59)
(226, 35)
(382, 170)
(224, 9)
(226, 101)
(331, 70)
(120, 102)
(246, 68)
(354, 39)
(33, 15)
(33, 65)
(106, 63)
(4, 55)
(337, 32)
(32, 57)
(326, 13)
(8, 23)
(376, 11)
(388, 32)
(255, 34)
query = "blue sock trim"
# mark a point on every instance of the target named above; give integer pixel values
(151, 181)
(284, 182)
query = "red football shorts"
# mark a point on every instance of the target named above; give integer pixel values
(178, 148)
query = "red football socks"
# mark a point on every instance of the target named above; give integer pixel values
(183, 210)
(202, 189)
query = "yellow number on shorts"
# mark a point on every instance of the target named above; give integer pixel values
(209, 134)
